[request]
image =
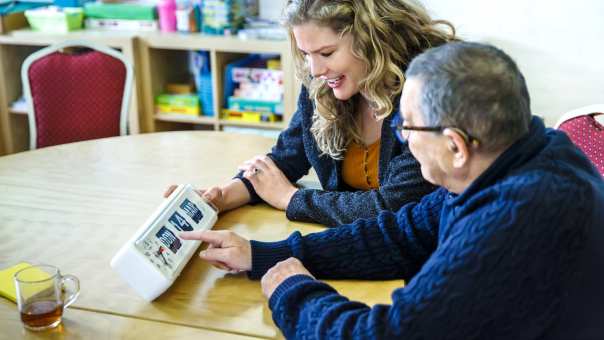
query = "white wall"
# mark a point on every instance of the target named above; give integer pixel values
(558, 45)
(271, 9)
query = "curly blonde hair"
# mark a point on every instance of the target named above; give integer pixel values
(386, 35)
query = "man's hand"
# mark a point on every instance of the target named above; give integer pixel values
(281, 271)
(226, 249)
(269, 181)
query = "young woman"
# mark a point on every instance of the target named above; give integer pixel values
(350, 57)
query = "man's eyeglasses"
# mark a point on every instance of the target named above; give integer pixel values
(403, 131)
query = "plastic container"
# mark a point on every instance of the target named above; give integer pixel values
(166, 10)
(69, 3)
(55, 20)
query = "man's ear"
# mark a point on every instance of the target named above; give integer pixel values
(457, 145)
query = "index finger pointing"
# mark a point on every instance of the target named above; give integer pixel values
(215, 238)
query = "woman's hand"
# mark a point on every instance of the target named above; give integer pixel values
(214, 195)
(269, 181)
(170, 190)
(226, 249)
(232, 195)
(279, 273)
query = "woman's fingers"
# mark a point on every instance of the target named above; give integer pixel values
(262, 163)
(170, 190)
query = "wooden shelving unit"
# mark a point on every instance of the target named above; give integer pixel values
(163, 59)
(158, 58)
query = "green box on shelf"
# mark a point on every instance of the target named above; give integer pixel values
(177, 99)
(55, 21)
(257, 105)
(126, 11)
(178, 103)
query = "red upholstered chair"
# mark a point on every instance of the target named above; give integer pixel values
(586, 132)
(77, 96)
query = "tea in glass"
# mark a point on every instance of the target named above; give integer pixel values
(40, 295)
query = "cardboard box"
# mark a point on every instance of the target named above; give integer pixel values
(12, 21)
(187, 104)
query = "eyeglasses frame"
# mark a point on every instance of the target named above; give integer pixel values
(397, 124)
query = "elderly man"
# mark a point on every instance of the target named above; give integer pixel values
(511, 246)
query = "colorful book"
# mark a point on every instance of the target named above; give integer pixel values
(122, 25)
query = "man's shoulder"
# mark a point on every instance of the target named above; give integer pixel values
(537, 190)
(539, 181)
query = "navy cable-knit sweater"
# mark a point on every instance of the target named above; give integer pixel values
(296, 151)
(518, 255)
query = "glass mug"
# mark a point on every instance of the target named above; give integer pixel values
(42, 294)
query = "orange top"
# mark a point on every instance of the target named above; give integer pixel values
(360, 166)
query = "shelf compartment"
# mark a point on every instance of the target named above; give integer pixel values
(164, 59)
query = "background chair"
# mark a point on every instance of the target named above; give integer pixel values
(77, 96)
(586, 132)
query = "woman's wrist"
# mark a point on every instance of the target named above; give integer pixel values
(234, 194)
(289, 195)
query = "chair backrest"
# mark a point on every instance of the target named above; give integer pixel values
(75, 97)
(586, 132)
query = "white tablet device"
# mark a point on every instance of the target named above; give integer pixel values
(154, 256)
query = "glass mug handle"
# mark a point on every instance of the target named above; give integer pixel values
(74, 290)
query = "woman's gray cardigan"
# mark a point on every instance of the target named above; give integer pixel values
(296, 152)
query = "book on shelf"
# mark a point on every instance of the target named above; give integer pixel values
(122, 25)
(183, 104)
(250, 116)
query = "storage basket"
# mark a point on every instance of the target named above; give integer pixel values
(55, 20)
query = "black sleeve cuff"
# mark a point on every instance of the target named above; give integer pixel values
(254, 198)
(266, 254)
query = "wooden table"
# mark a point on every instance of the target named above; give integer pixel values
(74, 206)
(82, 324)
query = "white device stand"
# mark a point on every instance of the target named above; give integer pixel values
(154, 256)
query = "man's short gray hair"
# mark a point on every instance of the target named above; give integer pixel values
(475, 87)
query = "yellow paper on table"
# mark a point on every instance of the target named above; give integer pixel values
(7, 281)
